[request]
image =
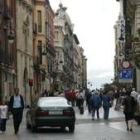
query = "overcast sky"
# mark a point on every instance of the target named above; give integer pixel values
(94, 22)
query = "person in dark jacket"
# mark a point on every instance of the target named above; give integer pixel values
(95, 103)
(16, 106)
(106, 104)
(88, 96)
(129, 108)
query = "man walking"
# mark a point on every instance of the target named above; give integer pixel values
(95, 103)
(16, 107)
(106, 104)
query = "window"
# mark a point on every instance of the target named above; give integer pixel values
(39, 21)
(40, 51)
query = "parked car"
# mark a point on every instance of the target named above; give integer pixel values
(52, 112)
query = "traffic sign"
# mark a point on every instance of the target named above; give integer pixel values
(125, 75)
(126, 64)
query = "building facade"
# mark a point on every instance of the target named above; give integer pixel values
(119, 46)
(75, 61)
(131, 47)
(39, 43)
(8, 61)
(59, 25)
(50, 48)
(80, 67)
(71, 63)
(24, 43)
(84, 72)
(68, 48)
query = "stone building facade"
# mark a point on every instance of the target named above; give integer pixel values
(84, 85)
(24, 43)
(59, 25)
(8, 60)
(75, 61)
(39, 59)
(50, 48)
(71, 72)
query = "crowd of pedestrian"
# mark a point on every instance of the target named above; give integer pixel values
(95, 99)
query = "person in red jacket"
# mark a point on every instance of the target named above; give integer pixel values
(73, 97)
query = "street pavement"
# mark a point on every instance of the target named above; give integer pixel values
(86, 129)
(114, 115)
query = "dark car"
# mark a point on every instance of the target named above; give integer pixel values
(52, 112)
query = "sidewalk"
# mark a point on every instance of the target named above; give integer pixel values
(113, 115)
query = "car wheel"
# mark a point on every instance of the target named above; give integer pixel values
(71, 128)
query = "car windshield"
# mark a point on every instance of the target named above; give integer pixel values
(47, 102)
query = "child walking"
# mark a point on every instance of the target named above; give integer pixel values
(3, 116)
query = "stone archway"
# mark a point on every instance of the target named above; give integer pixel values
(25, 81)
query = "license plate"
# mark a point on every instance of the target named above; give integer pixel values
(55, 112)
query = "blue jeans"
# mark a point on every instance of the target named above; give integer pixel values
(3, 124)
(106, 112)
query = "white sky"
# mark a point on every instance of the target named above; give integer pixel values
(94, 22)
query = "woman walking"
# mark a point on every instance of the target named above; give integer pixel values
(129, 108)
(3, 116)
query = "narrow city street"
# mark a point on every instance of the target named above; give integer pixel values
(86, 129)
(80, 50)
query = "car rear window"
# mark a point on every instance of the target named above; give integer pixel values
(46, 102)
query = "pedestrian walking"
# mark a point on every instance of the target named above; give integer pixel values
(129, 109)
(134, 93)
(88, 97)
(106, 104)
(3, 116)
(118, 100)
(73, 97)
(96, 104)
(16, 107)
(80, 98)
